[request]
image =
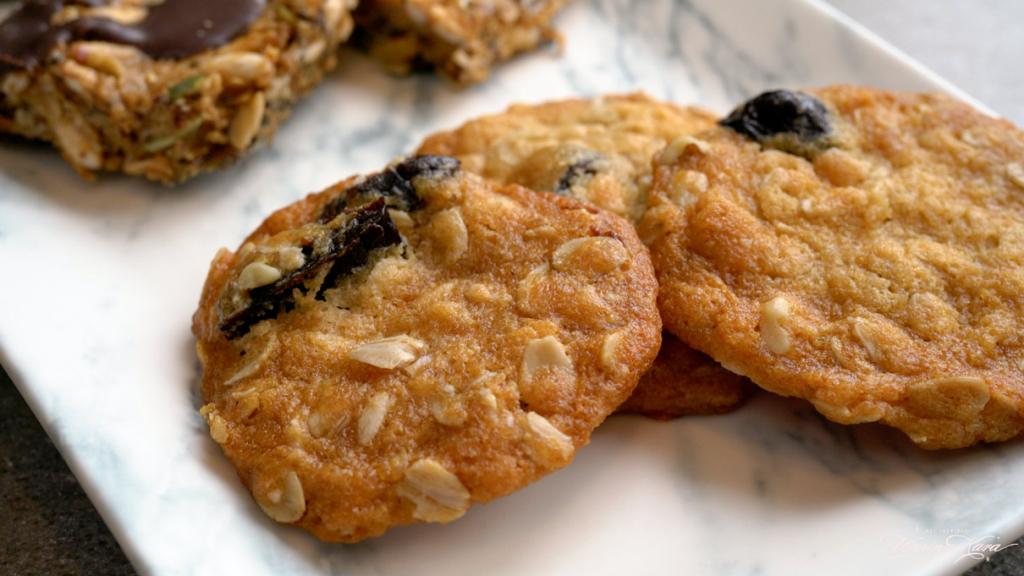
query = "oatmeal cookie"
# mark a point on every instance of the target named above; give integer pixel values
(162, 90)
(685, 382)
(600, 150)
(398, 347)
(597, 149)
(461, 39)
(858, 248)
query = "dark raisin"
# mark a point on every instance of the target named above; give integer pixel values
(792, 121)
(395, 190)
(394, 184)
(427, 166)
(366, 229)
(577, 171)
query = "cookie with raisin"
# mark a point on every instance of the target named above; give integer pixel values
(404, 345)
(858, 248)
(599, 150)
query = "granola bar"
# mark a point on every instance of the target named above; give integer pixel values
(164, 90)
(462, 39)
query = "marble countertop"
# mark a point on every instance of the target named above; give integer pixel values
(52, 527)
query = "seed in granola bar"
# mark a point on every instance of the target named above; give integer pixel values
(161, 143)
(184, 87)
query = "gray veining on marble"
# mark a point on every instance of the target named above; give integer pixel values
(95, 332)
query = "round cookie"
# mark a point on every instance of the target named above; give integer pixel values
(685, 382)
(860, 249)
(599, 150)
(400, 346)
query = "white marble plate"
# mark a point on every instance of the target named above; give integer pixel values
(99, 282)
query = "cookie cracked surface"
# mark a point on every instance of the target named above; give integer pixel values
(420, 360)
(599, 150)
(876, 272)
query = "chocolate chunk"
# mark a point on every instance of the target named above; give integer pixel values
(26, 36)
(577, 171)
(366, 229)
(792, 121)
(171, 29)
(394, 184)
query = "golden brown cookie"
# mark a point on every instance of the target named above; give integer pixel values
(685, 382)
(398, 347)
(600, 150)
(860, 249)
(462, 40)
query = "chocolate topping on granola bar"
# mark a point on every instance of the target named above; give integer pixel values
(171, 29)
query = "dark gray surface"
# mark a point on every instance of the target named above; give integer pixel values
(49, 527)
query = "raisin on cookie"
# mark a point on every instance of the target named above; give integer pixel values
(401, 346)
(861, 249)
(461, 40)
(599, 150)
(162, 90)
